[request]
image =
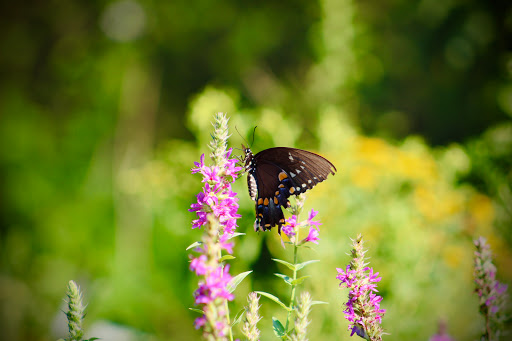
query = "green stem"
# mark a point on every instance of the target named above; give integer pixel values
(294, 286)
(229, 322)
(226, 307)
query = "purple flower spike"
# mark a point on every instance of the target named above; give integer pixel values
(216, 208)
(493, 296)
(363, 309)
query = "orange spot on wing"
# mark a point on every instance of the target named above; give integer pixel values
(282, 176)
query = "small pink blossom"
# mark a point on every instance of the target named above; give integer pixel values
(312, 236)
(311, 222)
(198, 265)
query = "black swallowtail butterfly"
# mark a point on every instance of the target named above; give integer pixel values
(276, 173)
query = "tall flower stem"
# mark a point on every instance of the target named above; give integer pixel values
(296, 209)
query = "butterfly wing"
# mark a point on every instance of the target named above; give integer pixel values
(271, 194)
(277, 173)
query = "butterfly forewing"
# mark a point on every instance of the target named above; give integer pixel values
(277, 173)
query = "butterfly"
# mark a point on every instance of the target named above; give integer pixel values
(274, 174)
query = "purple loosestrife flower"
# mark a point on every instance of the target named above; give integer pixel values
(363, 309)
(216, 209)
(292, 227)
(492, 294)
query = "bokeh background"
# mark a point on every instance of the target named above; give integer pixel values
(105, 105)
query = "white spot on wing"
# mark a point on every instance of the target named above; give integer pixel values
(301, 166)
(309, 181)
(292, 175)
(303, 185)
(298, 171)
(290, 156)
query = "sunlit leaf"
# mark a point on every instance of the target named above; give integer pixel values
(226, 257)
(318, 302)
(274, 298)
(289, 265)
(287, 279)
(299, 280)
(302, 265)
(236, 280)
(194, 244)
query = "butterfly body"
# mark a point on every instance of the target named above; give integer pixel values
(274, 174)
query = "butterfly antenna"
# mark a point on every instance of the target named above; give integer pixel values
(243, 138)
(253, 134)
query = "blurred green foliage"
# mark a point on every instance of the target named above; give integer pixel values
(104, 107)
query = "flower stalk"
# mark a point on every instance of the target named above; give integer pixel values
(75, 312)
(301, 321)
(493, 296)
(249, 328)
(363, 307)
(216, 210)
(292, 230)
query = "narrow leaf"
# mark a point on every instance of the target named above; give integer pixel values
(318, 302)
(302, 265)
(299, 280)
(274, 298)
(236, 280)
(226, 257)
(197, 310)
(194, 244)
(236, 234)
(278, 328)
(289, 265)
(286, 279)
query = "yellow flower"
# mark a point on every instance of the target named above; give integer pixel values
(436, 203)
(481, 209)
(364, 177)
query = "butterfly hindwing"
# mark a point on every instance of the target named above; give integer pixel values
(277, 173)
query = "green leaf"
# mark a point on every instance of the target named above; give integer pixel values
(289, 265)
(288, 280)
(197, 310)
(194, 244)
(226, 257)
(318, 302)
(92, 339)
(238, 317)
(236, 280)
(299, 280)
(236, 234)
(278, 328)
(274, 298)
(302, 265)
